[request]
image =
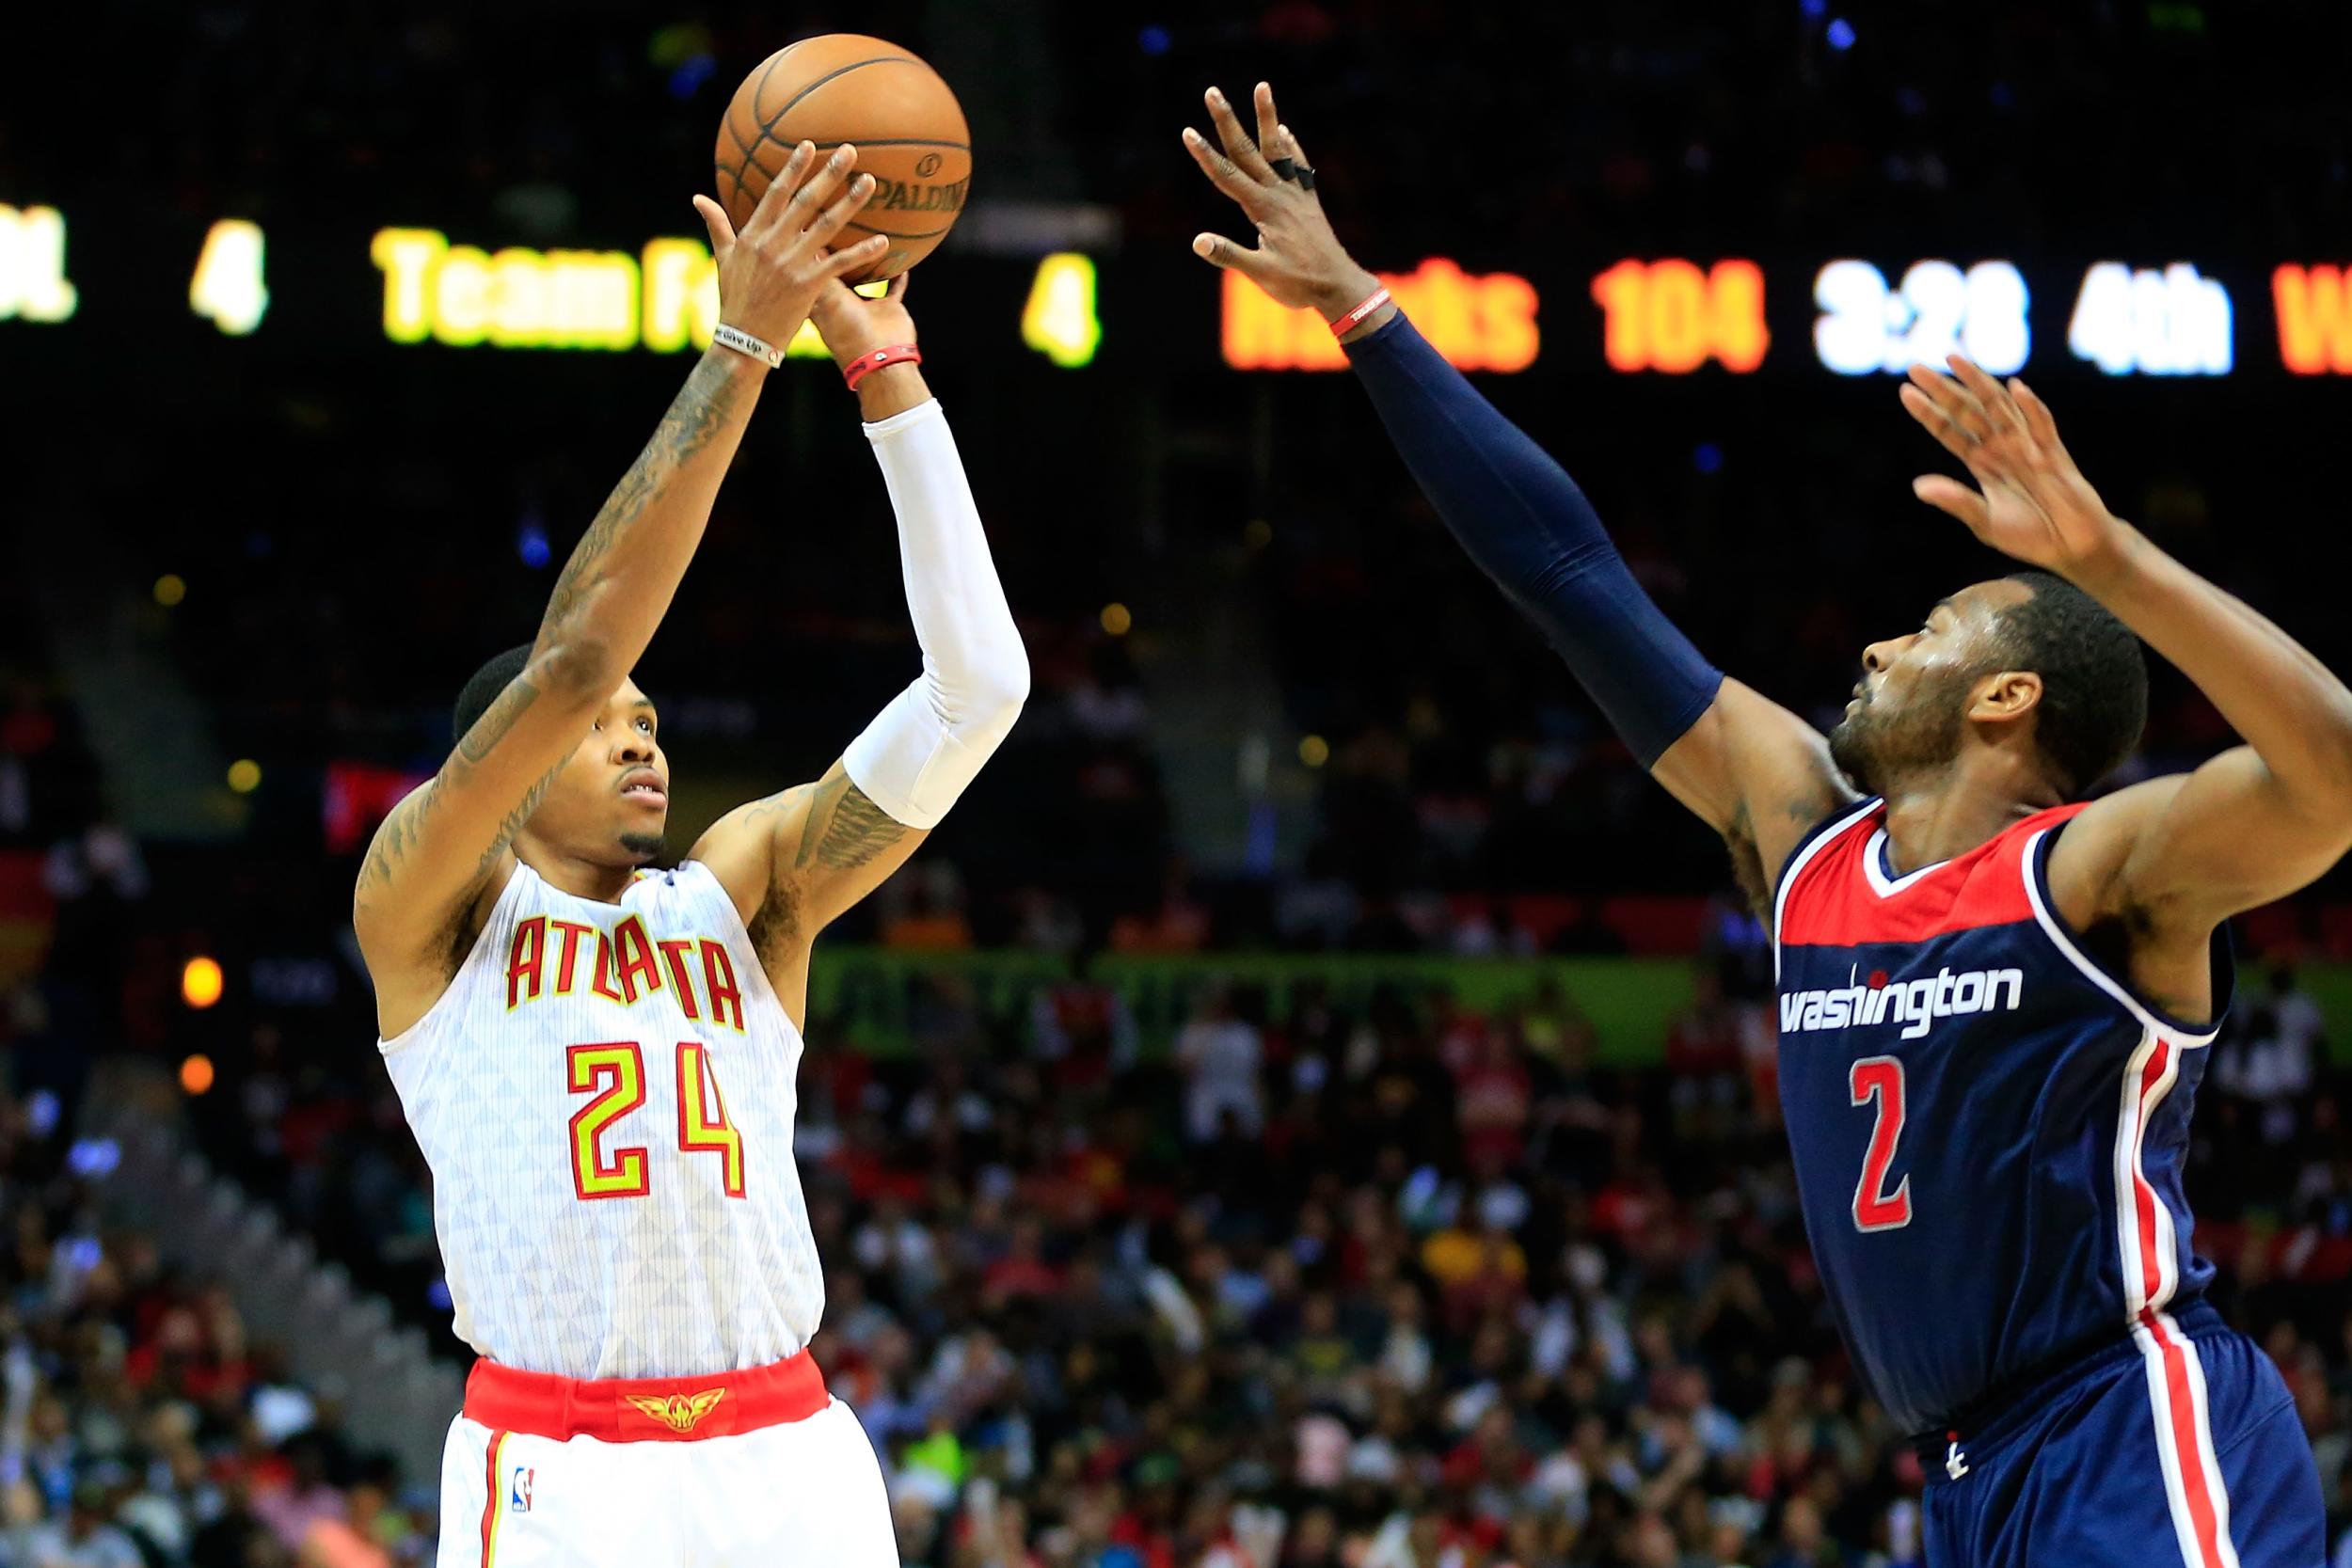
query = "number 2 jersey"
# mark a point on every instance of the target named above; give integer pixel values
(1988, 1125)
(605, 1095)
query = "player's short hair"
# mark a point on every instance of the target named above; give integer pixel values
(2094, 682)
(483, 688)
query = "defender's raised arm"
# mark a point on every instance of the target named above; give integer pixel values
(443, 846)
(2172, 856)
(1749, 769)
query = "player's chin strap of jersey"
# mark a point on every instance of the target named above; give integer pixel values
(920, 751)
(1524, 521)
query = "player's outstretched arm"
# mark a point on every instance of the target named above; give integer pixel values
(2175, 856)
(1752, 769)
(793, 863)
(448, 842)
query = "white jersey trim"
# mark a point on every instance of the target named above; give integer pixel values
(2064, 941)
(1822, 838)
(1874, 867)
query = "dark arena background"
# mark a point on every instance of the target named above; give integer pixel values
(1314, 1103)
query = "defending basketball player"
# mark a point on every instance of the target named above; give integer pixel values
(597, 1058)
(1995, 994)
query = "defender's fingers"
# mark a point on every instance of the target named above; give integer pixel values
(1290, 143)
(1225, 256)
(1936, 423)
(1999, 409)
(1269, 123)
(1949, 496)
(1958, 403)
(1951, 399)
(1222, 173)
(2038, 416)
(1238, 147)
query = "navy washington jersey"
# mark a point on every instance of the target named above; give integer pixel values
(1988, 1126)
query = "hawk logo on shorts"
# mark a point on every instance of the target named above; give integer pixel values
(680, 1412)
(518, 1497)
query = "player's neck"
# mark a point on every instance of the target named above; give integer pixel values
(1932, 818)
(581, 879)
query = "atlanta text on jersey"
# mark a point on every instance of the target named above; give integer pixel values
(621, 966)
(1913, 1004)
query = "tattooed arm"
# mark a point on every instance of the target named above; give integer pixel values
(448, 847)
(796, 861)
(450, 843)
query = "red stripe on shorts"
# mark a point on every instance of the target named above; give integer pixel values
(490, 1496)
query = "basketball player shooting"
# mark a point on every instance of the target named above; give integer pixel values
(1995, 993)
(597, 1058)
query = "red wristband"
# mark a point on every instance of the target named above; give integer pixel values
(871, 361)
(1348, 322)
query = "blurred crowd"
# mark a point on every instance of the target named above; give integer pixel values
(1389, 1284)
(141, 1427)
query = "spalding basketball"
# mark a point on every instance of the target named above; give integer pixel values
(903, 119)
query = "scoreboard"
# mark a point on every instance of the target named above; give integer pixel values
(410, 286)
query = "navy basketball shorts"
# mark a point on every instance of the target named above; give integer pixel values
(2180, 1446)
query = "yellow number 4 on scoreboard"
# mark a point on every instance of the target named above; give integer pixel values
(228, 287)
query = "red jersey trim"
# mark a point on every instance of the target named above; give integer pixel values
(1840, 898)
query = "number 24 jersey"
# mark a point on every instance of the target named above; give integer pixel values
(606, 1095)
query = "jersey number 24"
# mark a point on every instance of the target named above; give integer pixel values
(1880, 1078)
(614, 1072)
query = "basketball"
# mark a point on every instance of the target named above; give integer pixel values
(902, 117)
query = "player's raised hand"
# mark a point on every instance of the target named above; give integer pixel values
(2031, 501)
(1298, 259)
(769, 275)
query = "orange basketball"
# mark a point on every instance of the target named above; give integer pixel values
(905, 122)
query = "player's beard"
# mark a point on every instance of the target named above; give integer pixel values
(1879, 744)
(646, 847)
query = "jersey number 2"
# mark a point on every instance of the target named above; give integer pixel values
(1881, 1078)
(613, 1073)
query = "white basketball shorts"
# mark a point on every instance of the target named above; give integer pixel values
(544, 1472)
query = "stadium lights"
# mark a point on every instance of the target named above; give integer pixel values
(200, 982)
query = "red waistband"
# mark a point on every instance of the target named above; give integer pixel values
(643, 1409)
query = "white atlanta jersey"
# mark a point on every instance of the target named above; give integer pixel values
(606, 1095)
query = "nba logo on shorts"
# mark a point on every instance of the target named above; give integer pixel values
(518, 1494)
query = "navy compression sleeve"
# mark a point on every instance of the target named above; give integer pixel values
(1525, 522)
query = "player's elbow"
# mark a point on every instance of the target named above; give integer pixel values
(991, 691)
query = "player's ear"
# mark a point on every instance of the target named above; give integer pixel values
(2006, 695)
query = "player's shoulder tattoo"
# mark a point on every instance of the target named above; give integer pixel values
(845, 829)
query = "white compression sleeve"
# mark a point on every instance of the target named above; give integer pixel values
(920, 751)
